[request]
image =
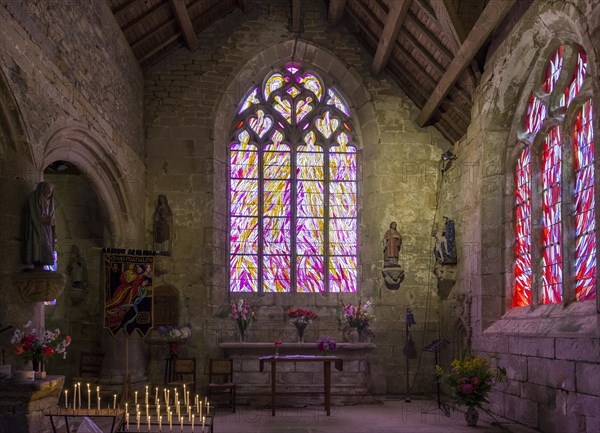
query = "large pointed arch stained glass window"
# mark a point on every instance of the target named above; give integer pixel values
(293, 191)
(578, 238)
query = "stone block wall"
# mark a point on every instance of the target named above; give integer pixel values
(189, 103)
(550, 351)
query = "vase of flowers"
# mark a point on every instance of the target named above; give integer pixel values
(471, 380)
(358, 318)
(243, 314)
(37, 345)
(277, 345)
(300, 318)
(174, 335)
(325, 344)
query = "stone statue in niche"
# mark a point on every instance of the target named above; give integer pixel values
(163, 222)
(392, 272)
(40, 235)
(77, 271)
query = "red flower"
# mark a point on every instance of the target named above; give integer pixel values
(278, 343)
(48, 351)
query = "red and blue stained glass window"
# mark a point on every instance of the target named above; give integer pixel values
(551, 186)
(293, 209)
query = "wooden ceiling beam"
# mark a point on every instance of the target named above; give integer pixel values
(138, 42)
(157, 7)
(123, 8)
(389, 35)
(185, 24)
(490, 18)
(431, 37)
(159, 47)
(336, 11)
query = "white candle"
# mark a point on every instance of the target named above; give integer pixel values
(136, 398)
(89, 399)
(127, 420)
(98, 404)
(148, 419)
(181, 419)
(203, 420)
(200, 411)
(66, 399)
(156, 395)
(138, 416)
(115, 401)
(170, 421)
(208, 408)
(74, 396)
(159, 423)
(79, 388)
(192, 422)
(184, 400)
(146, 395)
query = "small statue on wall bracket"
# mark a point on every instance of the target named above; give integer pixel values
(392, 272)
(446, 259)
(163, 221)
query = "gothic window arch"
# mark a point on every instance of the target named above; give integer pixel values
(555, 240)
(293, 188)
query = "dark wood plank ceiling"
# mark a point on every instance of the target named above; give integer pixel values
(429, 47)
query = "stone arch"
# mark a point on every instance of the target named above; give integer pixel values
(80, 146)
(515, 71)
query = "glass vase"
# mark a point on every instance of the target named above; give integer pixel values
(300, 332)
(471, 416)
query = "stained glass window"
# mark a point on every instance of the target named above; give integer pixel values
(293, 208)
(550, 183)
(584, 204)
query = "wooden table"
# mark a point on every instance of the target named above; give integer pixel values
(326, 360)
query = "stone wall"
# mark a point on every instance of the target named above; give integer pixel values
(71, 90)
(550, 351)
(189, 105)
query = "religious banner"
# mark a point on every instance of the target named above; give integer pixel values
(128, 292)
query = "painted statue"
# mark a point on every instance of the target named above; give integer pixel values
(392, 243)
(40, 222)
(445, 246)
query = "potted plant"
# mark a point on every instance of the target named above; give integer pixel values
(470, 380)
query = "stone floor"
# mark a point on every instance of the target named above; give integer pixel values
(391, 416)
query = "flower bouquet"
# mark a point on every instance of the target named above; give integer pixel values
(358, 317)
(174, 335)
(325, 344)
(471, 380)
(300, 318)
(37, 345)
(243, 313)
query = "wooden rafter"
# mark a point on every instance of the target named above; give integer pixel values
(123, 8)
(156, 8)
(491, 16)
(389, 35)
(185, 24)
(336, 11)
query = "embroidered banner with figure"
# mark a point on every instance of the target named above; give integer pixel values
(128, 292)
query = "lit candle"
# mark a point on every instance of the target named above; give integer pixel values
(148, 419)
(146, 395)
(198, 404)
(203, 420)
(181, 419)
(208, 408)
(127, 420)
(156, 395)
(184, 400)
(200, 411)
(89, 398)
(159, 423)
(98, 404)
(79, 388)
(192, 422)
(74, 396)
(138, 421)
(165, 395)
(188, 398)
(115, 401)
(136, 397)
(126, 408)
(170, 421)
(66, 399)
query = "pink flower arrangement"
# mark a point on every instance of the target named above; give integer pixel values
(301, 316)
(39, 344)
(242, 312)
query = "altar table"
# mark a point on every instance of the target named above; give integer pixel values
(326, 360)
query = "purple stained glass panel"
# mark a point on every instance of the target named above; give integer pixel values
(342, 166)
(309, 199)
(276, 198)
(276, 236)
(342, 199)
(243, 273)
(309, 165)
(276, 274)
(342, 274)
(243, 235)
(309, 236)
(309, 274)
(244, 197)
(342, 237)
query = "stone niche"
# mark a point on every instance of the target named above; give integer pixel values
(348, 387)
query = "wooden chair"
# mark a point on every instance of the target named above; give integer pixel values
(183, 373)
(220, 382)
(90, 365)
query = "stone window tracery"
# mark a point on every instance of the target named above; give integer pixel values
(292, 188)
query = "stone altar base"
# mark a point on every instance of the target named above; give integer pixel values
(348, 387)
(22, 404)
